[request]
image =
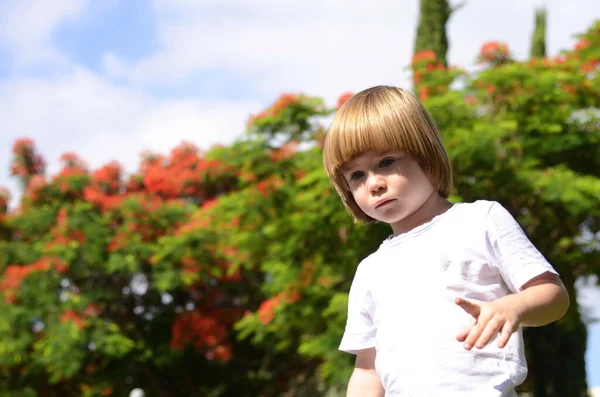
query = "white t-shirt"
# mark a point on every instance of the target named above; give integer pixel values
(402, 303)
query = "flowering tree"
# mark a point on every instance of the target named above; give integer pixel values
(112, 281)
(494, 53)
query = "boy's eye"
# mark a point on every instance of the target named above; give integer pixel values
(385, 162)
(356, 175)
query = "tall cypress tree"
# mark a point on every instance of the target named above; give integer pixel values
(538, 40)
(431, 30)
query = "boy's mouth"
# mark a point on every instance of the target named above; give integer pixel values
(381, 203)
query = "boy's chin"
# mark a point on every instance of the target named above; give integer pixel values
(390, 219)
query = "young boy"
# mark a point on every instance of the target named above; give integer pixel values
(437, 310)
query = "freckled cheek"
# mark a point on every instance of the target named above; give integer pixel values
(398, 182)
(362, 199)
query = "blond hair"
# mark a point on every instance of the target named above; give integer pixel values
(381, 119)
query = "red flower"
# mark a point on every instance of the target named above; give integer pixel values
(4, 199)
(343, 99)
(300, 174)
(159, 180)
(417, 77)
(425, 55)
(71, 160)
(23, 146)
(590, 66)
(222, 353)
(199, 330)
(92, 310)
(494, 51)
(276, 108)
(325, 281)
(150, 159)
(284, 152)
(15, 274)
(282, 102)
(135, 183)
(268, 185)
(266, 311)
(93, 195)
(26, 162)
(581, 44)
(108, 177)
(35, 184)
(72, 316)
(184, 150)
(209, 204)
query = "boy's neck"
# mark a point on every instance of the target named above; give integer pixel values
(432, 207)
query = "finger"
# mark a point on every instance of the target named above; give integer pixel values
(473, 335)
(488, 333)
(462, 335)
(507, 331)
(470, 307)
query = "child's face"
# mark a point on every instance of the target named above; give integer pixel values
(388, 186)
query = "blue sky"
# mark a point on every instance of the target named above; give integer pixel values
(127, 28)
(109, 79)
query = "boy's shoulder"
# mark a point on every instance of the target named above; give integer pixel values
(491, 212)
(479, 212)
(477, 207)
(369, 265)
(368, 261)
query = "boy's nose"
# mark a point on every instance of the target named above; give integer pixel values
(376, 183)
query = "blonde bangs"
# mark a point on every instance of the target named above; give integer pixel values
(355, 133)
(382, 119)
(377, 121)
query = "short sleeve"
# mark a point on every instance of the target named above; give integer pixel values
(517, 259)
(360, 331)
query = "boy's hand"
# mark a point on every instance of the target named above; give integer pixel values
(490, 317)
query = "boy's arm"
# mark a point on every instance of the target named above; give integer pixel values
(364, 381)
(543, 300)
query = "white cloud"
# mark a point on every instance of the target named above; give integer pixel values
(322, 48)
(328, 47)
(26, 27)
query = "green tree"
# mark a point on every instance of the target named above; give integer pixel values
(431, 28)
(112, 282)
(538, 39)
